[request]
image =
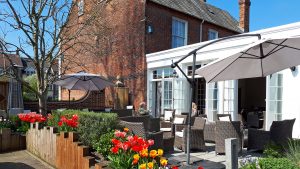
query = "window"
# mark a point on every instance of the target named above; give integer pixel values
(275, 84)
(228, 97)
(168, 94)
(212, 34)
(163, 73)
(80, 7)
(179, 33)
(212, 98)
(190, 69)
(1, 71)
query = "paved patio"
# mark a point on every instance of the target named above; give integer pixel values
(208, 159)
(21, 160)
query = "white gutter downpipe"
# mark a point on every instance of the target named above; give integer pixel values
(201, 30)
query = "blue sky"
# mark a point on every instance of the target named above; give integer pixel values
(264, 13)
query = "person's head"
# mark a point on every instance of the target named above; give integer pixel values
(142, 105)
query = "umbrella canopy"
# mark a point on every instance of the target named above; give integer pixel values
(258, 59)
(83, 81)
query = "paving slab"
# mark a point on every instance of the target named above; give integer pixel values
(21, 160)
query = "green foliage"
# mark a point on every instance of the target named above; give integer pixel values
(6, 124)
(248, 163)
(273, 151)
(276, 163)
(293, 151)
(15, 124)
(104, 145)
(91, 125)
(29, 95)
(249, 166)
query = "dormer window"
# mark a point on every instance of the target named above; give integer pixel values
(80, 5)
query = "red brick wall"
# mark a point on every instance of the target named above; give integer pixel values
(161, 19)
(116, 42)
(116, 39)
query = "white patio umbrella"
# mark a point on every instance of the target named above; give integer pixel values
(83, 81)
(258, 59)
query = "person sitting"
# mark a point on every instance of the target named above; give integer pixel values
(194, 109)
(143, 109)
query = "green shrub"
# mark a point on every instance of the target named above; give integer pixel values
(293, 151)
(18, 125)
(248, 163)
(6, 124)
(91, 125)
(273, 151)
(276, 163)
(104, 145)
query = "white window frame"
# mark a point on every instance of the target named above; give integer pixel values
(185, 33)
(80, 6)
(212, 102)
(213, 31)
(271, 115)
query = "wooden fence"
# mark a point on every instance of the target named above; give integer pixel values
(11, 141)
(42, 142)
(62, 151)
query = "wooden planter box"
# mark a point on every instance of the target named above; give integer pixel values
(60, 150)
(11, 141)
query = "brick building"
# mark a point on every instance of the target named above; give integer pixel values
(124, 31)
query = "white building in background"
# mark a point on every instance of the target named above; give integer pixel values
(277, 94)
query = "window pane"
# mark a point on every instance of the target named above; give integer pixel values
(178, 33)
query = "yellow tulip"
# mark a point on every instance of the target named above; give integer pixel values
(142, 166)
(153, 153)
(163, 161)
(160, 152)
(150, 165)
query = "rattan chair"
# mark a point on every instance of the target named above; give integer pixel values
(210, 132)
(138, 119)
(220, 116)
(123, 112)
(196, 136)
(137, 128)
(227, 129)
(280, 132)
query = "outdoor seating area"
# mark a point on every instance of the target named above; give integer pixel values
(153, 84)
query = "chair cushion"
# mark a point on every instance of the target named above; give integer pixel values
(179, 133)
(225, 118)
(165, 129)
(168, 115)
(178, 120)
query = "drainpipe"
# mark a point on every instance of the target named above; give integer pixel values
(201, 30)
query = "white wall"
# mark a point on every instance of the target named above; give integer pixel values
(291, 98)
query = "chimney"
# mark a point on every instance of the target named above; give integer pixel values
(244, 14)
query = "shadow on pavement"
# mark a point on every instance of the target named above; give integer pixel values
(11, 165)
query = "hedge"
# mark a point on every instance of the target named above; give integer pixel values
(91, 125)
(276, 163)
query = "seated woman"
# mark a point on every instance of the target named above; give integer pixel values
(143, 109)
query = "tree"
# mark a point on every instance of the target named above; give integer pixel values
(40, 28)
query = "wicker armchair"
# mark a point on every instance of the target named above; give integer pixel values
(280, 132)
(227, 129)
(138, 129)
(196, 136)
(138, 119)
(210, 132)
(220, 117)
(123, 112)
